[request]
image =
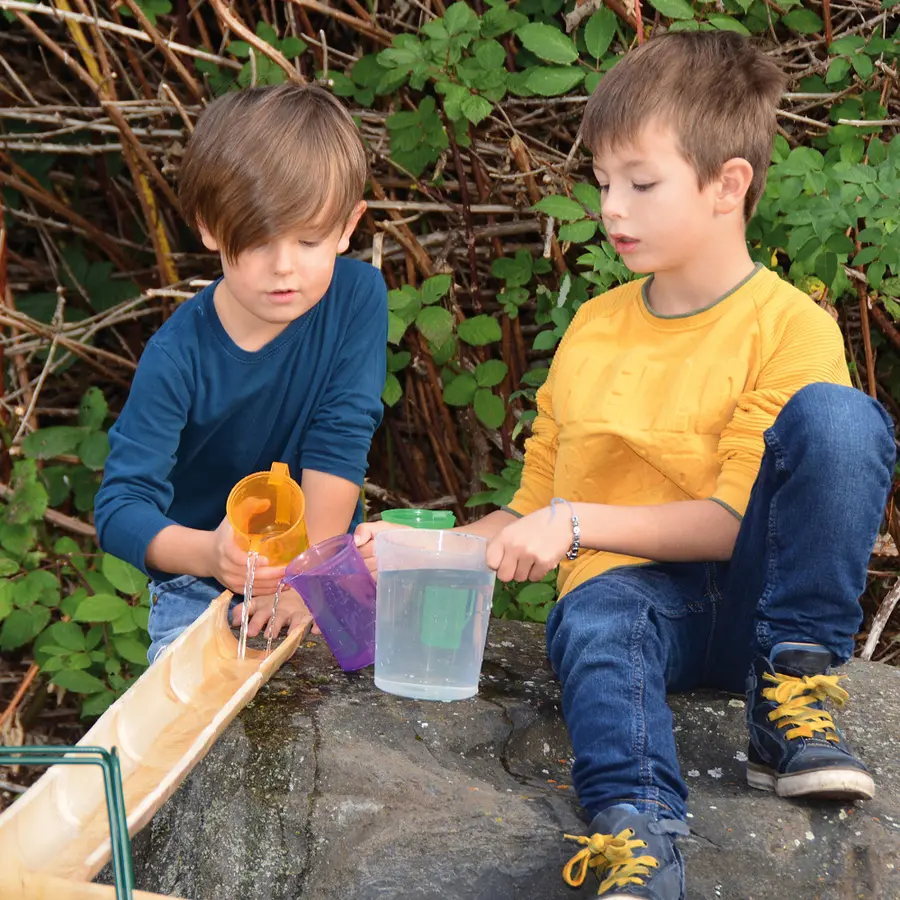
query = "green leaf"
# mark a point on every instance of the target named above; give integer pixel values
(97, 704)
(396, 328)
(17, 540)
(8, 566)
(535, 594)
(131, 649)
(392, 390)
(475, 108)
(124, 624)
(241, 49)
(727, 23)
(93, 450)
(803, 20)
(460, 391)
(535, 377)
(22, 626)
(435, 323)
(479, 331)
(36, 587)
(123, 576)
(548, 82)
(838, 70)
(45, 443)
(292, 47)
(490, 54)
(67, 635)
(79, 681)
(862, 65)
(499, 20)
(588, 196)
(460, 18)
(489, 408)
(599, 32)
(397, 362)
(7, 588)
(562, 208)
(434, 288)
(93, 410)
(515, 272)
(100, 608)
(674, 9)
(545, 340)
(547, 42)
(578, 232)
(490, 373)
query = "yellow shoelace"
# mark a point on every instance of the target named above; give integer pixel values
(605, 851)
(793, 696)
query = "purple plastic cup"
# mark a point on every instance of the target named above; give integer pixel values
(338, 590)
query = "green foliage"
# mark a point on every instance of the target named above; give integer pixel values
(828, 206)
(83, 613)
(150, 8)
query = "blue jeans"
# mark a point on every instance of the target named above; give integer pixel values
(174, 605)
(621, 640)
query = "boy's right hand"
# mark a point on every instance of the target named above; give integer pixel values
(364, 538)
(228, 564)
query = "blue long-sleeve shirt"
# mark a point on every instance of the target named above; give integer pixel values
(203, 413)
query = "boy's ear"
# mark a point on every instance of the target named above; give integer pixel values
(350, 227)
(732, 185)
(208, 240)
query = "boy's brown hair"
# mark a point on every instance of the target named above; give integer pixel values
(717, 91)
(269, 161)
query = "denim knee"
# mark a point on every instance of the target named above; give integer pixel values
(837, 426)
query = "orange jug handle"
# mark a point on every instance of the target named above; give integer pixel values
(280, 478)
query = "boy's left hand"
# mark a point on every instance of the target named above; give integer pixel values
(292, 612)
(530, 547)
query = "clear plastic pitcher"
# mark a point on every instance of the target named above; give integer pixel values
(338, 590)
(266, 511)
(432, 612)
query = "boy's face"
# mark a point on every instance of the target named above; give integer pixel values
(654, 211)
(278, 282)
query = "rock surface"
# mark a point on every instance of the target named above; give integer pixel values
(325, 788)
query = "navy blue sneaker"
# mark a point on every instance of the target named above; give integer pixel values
(633, 855)
(796, 750)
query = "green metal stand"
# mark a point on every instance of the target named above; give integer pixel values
(108, 760)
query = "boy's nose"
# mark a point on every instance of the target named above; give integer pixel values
(283, 259)
(612, 206)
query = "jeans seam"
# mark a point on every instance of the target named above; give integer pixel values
(762, 631)
(645, 764)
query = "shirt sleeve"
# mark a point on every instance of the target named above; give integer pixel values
(130, 508)
(340, 434)
(538, 475)
(810, 350)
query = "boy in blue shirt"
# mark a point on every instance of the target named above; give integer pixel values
(280, 359)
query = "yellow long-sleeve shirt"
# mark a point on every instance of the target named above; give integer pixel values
(640, 409)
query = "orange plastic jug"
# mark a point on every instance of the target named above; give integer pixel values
(266, 511)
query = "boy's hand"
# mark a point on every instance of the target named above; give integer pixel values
(228, 564)
(292, 612)
(364, 537)
(527, 549)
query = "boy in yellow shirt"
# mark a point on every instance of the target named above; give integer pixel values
(700, 467)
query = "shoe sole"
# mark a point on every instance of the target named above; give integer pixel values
(827, 784)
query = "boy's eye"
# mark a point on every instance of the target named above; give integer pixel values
(603, 187)
(310, 243)
(643, 187)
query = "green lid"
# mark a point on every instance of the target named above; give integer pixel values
(420, 518)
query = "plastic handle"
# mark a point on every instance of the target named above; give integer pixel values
(279, 476)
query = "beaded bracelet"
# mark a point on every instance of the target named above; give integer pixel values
(572, 552)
